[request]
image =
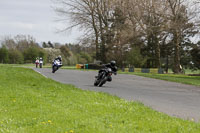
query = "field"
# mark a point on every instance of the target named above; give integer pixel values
(30, 103)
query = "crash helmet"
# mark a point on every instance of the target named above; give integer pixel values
(59, 57)
(113, 63)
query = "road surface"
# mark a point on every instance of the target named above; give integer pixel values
(174, 99)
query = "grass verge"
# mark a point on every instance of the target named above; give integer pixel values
(31, 103)
(179, 78)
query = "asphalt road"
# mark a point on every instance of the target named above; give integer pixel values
(174, 99)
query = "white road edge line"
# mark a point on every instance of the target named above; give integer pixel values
(41, 74)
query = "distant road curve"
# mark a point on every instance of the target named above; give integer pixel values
(174, 99)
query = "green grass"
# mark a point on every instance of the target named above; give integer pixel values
(187, 71)
(44, 66)
(31, 103)
(179, 78)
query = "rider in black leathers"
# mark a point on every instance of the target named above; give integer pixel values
(113, 67)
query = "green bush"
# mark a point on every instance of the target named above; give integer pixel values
(4, 58)
(15, 57)
(135, 59)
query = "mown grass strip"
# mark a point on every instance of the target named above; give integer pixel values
(30, 103)
(179, 78)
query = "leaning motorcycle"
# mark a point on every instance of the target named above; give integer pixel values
(56, 65)
(103, 76)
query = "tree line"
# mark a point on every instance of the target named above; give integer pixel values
(24, 49)
(20, 49)
(139, 33)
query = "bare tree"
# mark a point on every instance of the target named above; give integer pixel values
(179, 26)
(146, 19)
(114, 24)
(81, 13)
(8, 42)
(94, 16)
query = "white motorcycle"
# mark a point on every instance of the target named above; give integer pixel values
(41, 63)
(56, 65)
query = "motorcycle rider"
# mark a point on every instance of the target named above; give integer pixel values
(36, 62)
(112, 66)
(41, 62)
(59, 58)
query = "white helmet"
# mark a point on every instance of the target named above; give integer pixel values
(59, 57)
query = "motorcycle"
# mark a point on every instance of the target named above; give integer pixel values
(36, 63)
(103, 76)
(56, 65)
(41, 63)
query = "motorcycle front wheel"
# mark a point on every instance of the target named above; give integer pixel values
(96, 82)
(103, 81)
(54, 68)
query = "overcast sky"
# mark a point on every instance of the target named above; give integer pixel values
(32, 17)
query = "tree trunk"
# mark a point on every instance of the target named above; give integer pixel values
(157, 52)
(96, 36)
(102, 47)
(177, 53)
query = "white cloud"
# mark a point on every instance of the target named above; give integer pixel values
(35, 18)
(19, 26)
(26, 26)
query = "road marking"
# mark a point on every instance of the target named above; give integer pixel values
(41, 73)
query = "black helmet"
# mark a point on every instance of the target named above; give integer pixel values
(113, 63)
